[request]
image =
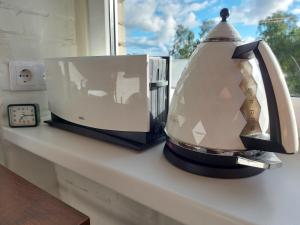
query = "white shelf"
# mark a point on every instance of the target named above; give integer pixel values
(271, 198)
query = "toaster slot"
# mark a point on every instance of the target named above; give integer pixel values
(159, 83)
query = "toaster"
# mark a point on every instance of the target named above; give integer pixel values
(119, 99)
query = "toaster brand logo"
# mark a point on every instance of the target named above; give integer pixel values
(81, 118)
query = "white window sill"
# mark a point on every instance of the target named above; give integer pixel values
(271, 198)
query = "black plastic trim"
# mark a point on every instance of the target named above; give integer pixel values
(275, 143)
(209, 171)
(134, 140)
(222, 39)
(168, 66)
(203, 158)
(159, 83)
(262, 144)
(224, 13)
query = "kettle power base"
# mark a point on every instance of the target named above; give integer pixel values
(209, 171)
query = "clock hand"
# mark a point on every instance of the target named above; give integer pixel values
(28, 115)
(24, 115)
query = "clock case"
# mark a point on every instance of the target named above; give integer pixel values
(36, 115)
(137, 123)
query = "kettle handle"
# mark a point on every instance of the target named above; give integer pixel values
(283, 127)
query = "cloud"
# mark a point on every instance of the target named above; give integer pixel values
(160, 18)
(142, 15)
(142, 41)
(248, 39)
(144, 45)
(296, 11)
(250, 12)
(194, 7)
(190, 21)
(152, 23)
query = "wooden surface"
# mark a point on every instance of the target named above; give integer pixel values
(22, 203)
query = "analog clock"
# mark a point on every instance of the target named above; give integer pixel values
(23, 115)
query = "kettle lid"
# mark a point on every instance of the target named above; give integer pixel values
(223, 31)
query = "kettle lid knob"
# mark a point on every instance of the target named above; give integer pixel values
(224, 13)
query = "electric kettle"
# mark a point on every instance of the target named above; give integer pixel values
(231, 109)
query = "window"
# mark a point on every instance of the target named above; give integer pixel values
(154, 26)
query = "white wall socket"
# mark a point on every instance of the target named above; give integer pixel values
(27, 76)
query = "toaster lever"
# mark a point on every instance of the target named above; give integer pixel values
(159, 83)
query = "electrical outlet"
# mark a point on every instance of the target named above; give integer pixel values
(27, 76)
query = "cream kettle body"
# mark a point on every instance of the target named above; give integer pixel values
(230, 107)
(206, 106)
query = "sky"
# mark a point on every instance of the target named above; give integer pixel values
(151, 24)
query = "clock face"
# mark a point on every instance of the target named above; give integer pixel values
(22, 115)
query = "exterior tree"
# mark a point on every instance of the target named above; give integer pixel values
(185, 42)
(205, 27)
(281, 32)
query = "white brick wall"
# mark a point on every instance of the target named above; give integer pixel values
(28, 26)
(32, 30)
(9, 23)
